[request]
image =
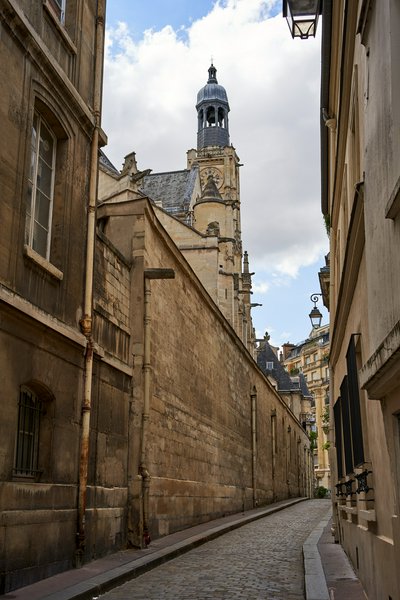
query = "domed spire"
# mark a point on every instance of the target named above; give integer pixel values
(212, 113)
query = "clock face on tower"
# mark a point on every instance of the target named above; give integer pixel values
(215, 173)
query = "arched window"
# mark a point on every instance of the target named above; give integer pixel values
(210, 116)
(201, 117)
(221, 117)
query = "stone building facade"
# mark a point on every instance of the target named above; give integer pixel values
(310, 358)
(360, 121)
(55, 509)
(131, 406)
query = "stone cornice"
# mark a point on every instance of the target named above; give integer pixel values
(18, 303)
(380, 374)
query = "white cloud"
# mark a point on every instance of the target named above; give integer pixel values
(261, 287)
(272, 81)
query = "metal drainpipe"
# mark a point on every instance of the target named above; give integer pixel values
(86, 322)
(147, 371)
(254, 444)
(143, 470)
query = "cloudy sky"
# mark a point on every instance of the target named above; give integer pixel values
(157, 57)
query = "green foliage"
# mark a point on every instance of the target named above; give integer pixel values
(327, 221)
(326, 446)
(320, 492)
(325, 415)
(313, 440)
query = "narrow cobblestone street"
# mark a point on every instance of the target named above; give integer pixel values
(260, 560)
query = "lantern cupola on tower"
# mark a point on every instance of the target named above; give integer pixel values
(212, 113)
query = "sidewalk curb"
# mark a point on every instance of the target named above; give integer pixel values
(104, 582)
(315, 582)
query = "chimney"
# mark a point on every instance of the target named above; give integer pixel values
(286, 349)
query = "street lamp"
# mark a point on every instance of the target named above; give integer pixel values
(302, 17)
(315, 315)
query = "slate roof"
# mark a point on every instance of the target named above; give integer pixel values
(304, 387)
(282, 378)
(173, 189)
(106, 162)
(210, 192)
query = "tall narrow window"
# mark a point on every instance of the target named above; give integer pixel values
(40, 187)
(354, 403)
(59, 8)
(346, 424)
(27, 448)
(337, 413)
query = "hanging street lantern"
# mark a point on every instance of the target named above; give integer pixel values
(302, 17)
(315, 315)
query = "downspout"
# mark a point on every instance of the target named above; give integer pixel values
(254, 444)
(147, 372)
(143, 470)
(86, 322)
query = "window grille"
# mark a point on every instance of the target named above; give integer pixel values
(27, 448)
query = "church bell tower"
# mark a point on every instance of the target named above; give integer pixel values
(212, 113)
(217, 212)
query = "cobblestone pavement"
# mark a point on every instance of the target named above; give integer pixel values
(261, 560)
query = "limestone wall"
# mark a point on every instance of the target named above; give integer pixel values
(199, 446)
(111, 300)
